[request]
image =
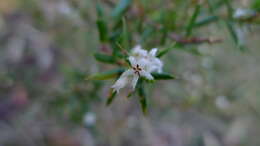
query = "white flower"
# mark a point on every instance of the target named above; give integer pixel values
(143, 63)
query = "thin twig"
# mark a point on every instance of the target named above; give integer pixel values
(194, 40)
(122, 49)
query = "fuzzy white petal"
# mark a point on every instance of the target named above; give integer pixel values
(134, 81)
(143, 62)
(127, 73)
(146, 74)
(158, 63)
(153, 52)
(132, 60)
(138, 51)
(123, 80)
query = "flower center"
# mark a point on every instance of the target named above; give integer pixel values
(137, 69)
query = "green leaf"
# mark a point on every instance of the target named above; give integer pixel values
(125, 35)
(143, 103)
(206, 21)
(101, 24)
(104, 58)
(235, 37)
(111, 98)
(193, 20)
(106, 75)
(163, 76)
(142, 96)
(232, 32)
(121, 8)
(166, 50)
(256, 5)
(102, 29)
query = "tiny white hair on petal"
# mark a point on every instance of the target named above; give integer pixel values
(146, 74)
(138, 51)
(135, 80)
(153, 52)
(123, 80)
(132, 60)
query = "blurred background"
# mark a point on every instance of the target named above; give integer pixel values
(46, 53)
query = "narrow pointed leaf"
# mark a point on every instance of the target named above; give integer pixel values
(142, 96)
(105, 58)
(125, 34)
(235, 37)
(102, 29)
(206, 21)
(163, 76)
(166, 50)
(106, 75)
(111, 98)
(232, 32)
(121, 8)
(101, 24)
(193, 20)
(143, 103)
(256, 5)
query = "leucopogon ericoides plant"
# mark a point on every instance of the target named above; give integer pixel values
(142, 67)
(143, 63)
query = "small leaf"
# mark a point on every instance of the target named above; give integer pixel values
(162, 76)
(193, 20)
(206, 21)
(239, 43)
(106, 75)
(256, 5)
(104, 58)
(142, 96)
(102, 29)
(111, 98)
(121, 8)
(101, 24)
(166, 50)
(232, 32)
(125, 35)
(143, 103)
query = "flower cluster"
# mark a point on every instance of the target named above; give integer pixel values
(143, 63)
